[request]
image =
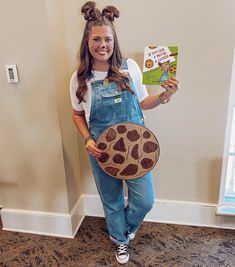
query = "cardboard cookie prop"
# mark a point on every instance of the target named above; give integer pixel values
(129, 150)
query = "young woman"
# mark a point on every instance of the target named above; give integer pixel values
(102, 73)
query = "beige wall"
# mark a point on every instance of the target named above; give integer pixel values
(59, 55)
(1, 204)
(39, 164)
(191, 128)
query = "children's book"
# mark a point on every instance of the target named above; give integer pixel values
(160, 64)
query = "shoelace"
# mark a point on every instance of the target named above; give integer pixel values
(122, 249)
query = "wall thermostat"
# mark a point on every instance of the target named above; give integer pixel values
(12, 73)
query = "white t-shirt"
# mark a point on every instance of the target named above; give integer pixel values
(136, 77)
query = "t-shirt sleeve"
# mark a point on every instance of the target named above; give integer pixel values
(136, 76)
(73, 90)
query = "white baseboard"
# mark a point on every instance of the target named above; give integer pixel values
(44, 223)
(67, 225)
(189, 213)
(170, 211)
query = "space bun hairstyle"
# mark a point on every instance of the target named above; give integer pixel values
(110, 12)
(94, 17)
(89, 11)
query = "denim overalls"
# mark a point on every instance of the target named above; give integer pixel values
(110, 105)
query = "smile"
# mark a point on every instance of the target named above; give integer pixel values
(102, 52)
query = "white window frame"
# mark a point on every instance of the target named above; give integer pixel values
(225, 208)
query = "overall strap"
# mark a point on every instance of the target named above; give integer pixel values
(124, 66)
(124, 69)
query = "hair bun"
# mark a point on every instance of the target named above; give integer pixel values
(90, 11)
(110, 12)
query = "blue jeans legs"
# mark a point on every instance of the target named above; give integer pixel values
(120, 219)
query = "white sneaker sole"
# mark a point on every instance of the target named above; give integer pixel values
(131, 236)
(122, 261)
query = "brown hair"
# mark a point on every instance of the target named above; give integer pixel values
(94, 17)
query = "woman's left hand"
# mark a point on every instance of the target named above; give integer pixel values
(171, 86)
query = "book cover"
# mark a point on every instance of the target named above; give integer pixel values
(160, 64)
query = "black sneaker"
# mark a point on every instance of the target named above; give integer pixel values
(122, 254)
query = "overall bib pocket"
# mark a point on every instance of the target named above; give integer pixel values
(111, 105)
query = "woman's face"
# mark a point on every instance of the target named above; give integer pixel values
(101, 43)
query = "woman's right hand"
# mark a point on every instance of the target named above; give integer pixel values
(92, 149)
